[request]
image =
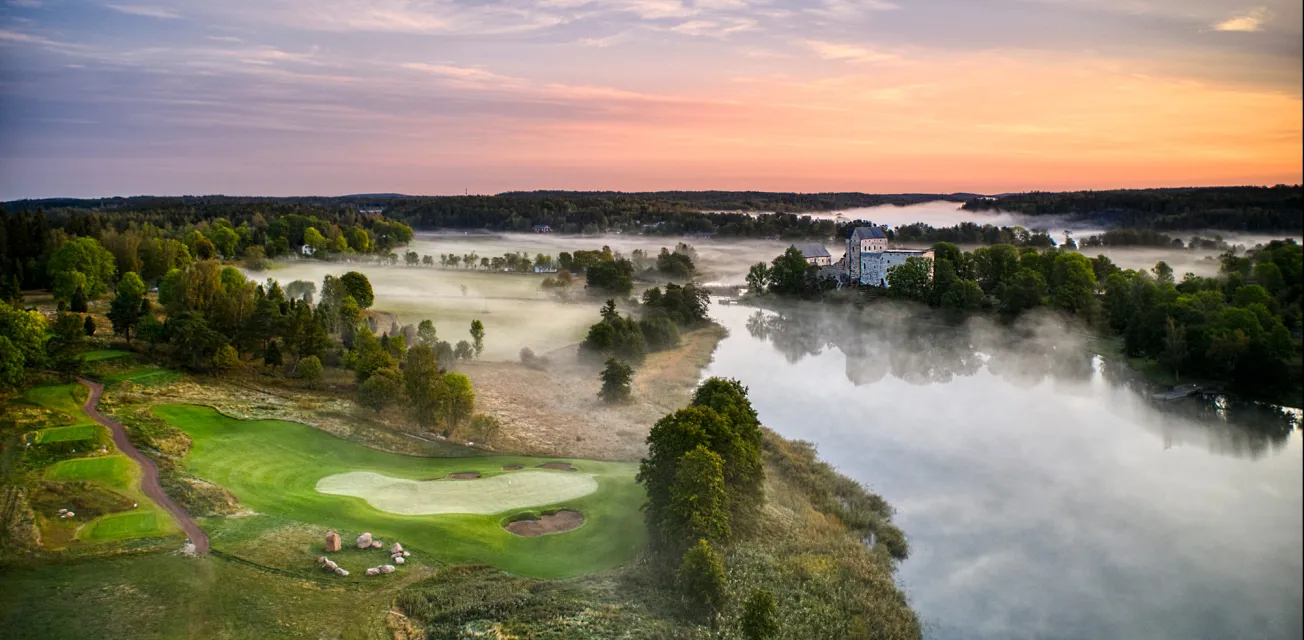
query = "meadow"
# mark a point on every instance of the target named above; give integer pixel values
(274, 466)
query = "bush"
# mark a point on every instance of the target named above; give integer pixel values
(382, 389)
(483, 428)
(226, 358)
(659, 333)
(309, 370)
(616, 377)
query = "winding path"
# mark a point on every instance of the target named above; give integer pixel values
(149, 471)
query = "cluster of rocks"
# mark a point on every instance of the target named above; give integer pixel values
(64, 513)
(330, 565)
(365, 541)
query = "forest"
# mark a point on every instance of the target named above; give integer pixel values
(1279, 208)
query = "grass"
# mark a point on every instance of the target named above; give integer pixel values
(104, 354)
(273, 467)
(66, 399)
(121, 474)
(66, 434)
(132, 524)
(116, 471)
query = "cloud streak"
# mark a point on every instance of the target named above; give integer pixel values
(148, 11)
(1252, 21)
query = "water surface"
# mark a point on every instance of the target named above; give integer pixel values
(1043, 494)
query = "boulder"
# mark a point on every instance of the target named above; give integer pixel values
(330, 564)
(70, 514)
(341, 571)
(406, 554)
(376, 544)
(332, 541)
(373, 571)
(63, 511)
(389, 568)
(322, 560)
(398, 560)
(364, 541)
(397, 548)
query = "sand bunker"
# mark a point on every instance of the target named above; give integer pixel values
(564, 520)
(464, 475)
(483, 496)
(558, 466)
(512, 467)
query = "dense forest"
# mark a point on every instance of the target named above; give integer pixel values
(1279, 208)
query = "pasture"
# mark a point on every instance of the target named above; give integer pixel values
(274, 467)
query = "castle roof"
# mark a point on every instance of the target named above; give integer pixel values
(865, 233)
(812, 250)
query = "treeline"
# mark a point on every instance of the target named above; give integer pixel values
(152, 240)
(1151, 238)
(761, 201)
(663, 315)
(970, 233)
(1241, 327)
(1264, 209)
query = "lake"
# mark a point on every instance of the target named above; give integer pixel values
(1044, 495)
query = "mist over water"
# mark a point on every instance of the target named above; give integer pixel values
(1043, 493)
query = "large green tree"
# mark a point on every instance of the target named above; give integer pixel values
(81, 262)
(616, 376)
(126, 309)
(359, 287)
(421, 382)
(702, 581)
(699, 505)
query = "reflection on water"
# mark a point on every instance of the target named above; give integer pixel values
(1045, 494)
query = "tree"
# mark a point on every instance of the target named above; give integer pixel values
(126, 308)
(309, 370)
(910, 281)
(359, 287)
(758, 279)
(483, 427)
(78, 303)
(611, 277)
(367, 355)
(65, 346)
(702, 580)
(226, 358)
(758, 619)
(1174, 345)
(421, 383)
(88, 326)
(791, 275)
(456, 400)
(616, 376)
(477, 335)
(699, 506)
(1073, 284)
(22, 344)
(272, 354)
(380, 390)
(84, 262)
(426, 333)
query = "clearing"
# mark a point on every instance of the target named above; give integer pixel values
(274, 467)
(484, 496)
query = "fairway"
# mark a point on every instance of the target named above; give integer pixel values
(132, 524)
(274, 467)
(66, 434)
(116, 471)
(482, 496)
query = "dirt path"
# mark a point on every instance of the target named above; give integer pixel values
(149, 471)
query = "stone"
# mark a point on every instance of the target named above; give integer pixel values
(330, 564)
(63, 511)
(70, 514)
(376, 544)
(397, 548)
(332, 542)
(364, 541)
(341, 571)
(398, 560)
(389, 568)
(406, 554)
(373, 571)
(322, 560)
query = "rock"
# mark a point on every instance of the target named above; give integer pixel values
(330, 564)
(406, 554)
(341, 571)
(70, 514)
(332, 541)
(373, 571)
(376, 544)
(63, 511)
(364, 541)
(322, 559)
(389, 568)
(397, 548)
(398, 560)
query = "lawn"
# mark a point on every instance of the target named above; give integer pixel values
(103, 354)
(117, 471)
(62, 398)
(274, 466)
(130, 524)
(66, 434)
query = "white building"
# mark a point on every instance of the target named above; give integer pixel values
(815, 254)
(307, 250)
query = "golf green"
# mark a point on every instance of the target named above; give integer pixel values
(116, 471)
(274, 467)
(66, 434)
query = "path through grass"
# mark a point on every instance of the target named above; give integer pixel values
(273, 467)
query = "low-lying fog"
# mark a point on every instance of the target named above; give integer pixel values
(1043, 493)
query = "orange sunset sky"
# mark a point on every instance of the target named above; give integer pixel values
(294, 97)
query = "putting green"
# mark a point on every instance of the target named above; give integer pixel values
(131, 524)
(484, 496)
(274, 467)
(116, 471)
(66, 434)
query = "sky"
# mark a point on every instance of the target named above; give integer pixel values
(330, 97)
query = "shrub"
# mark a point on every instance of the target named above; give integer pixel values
(309, 370)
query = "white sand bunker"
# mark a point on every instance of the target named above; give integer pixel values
(483, 496)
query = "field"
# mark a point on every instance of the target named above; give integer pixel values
(273, 467)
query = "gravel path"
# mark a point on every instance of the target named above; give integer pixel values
(149, 471)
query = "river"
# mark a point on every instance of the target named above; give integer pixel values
(1044, 495)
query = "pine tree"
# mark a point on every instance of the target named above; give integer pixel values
(272, 355)
(88, 326)
(78, 302)
(616, 376)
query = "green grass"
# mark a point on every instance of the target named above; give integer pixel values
(104, 354)
(66, 434)
(273, 467)
(116, 471)
(62, 398)
(143, 374)
(131, 524)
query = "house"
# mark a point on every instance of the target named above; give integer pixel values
(374, 211)
(542, 228)
(863, 240)
(547, 269)
(307, 250)
(815, 253)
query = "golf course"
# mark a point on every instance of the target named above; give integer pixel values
(451, 509)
